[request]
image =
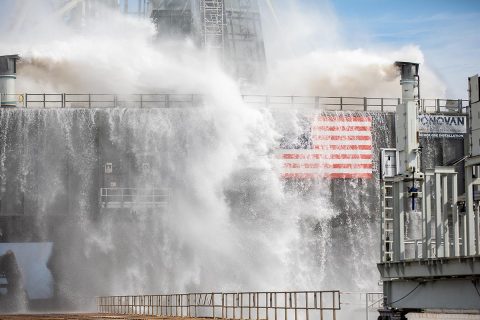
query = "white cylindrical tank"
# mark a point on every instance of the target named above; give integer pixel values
(8, 75)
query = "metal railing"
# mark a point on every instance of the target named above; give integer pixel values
(373, 302)
(64, 100)
(355, 103)
(367, 302)
(129, 197)
(294, 305)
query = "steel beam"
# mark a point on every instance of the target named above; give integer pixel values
(429, 268)
(444, 294)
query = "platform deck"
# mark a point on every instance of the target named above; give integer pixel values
(85, 316)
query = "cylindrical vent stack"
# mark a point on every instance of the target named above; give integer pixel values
(8, 75)
(409, 80)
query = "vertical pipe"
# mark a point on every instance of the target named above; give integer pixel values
(438, 216)
(477, 228)
(258, 307)
(233, 303)
(427, 211)
(295, 303)
(223, 306)
(321, 305)
(213, 305)
(266, 305)
(249, 311)
(456, 241)
(416, 248)
(398, 222)
(366, 306)
(195, 308)
(333, 305)
(446, 238)
(159, 305)
(306, 306)
(241, 305)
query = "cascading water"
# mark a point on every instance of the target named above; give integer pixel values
(231, 223)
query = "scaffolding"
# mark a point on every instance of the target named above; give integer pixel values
(213, 24)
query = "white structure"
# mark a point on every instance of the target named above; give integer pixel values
(8, 76)
(433, 263)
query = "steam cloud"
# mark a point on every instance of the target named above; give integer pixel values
(232, 224)
(229, 226)
(310, 55)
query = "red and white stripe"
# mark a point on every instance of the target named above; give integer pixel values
(341, 148)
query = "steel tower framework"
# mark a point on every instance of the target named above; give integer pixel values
(213, 24)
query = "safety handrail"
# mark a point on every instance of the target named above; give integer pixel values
(115, 196)
(273, 305)
(167, 100)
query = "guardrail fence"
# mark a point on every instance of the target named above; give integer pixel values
(130, 197)
(294, 305)
(64, 100)
(363, 302)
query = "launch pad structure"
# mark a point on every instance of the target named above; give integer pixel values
(430, 216)
(431, 262)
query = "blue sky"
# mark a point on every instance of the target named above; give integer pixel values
(445, 30)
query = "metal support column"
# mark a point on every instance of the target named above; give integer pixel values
(439, 232)
(427, 216)
(445, 211)
(469, 241)
(399, 221)
(456, 240)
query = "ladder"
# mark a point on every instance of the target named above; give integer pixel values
(213, 24)
(387, 219)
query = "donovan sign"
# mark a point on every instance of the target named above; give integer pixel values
(442, 126)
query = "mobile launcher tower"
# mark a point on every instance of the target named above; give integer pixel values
(231, 29)
(430, 249)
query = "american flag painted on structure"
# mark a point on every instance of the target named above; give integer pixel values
(340, 148)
